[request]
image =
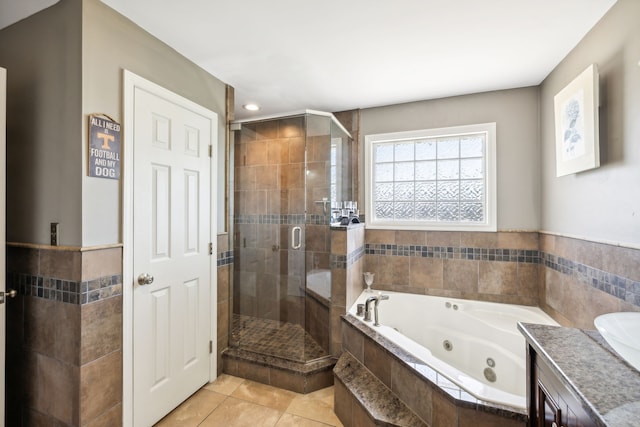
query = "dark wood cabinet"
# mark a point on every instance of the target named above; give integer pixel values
(550, 403)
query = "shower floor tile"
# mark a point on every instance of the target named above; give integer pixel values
(274, 338)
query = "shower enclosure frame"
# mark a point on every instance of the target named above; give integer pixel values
(288, 173)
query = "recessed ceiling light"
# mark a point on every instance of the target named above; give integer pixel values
(251, 107)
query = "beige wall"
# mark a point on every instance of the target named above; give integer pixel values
(63, 64)
(110, 44)
(516, 115)
(42, 55)
(600, 204)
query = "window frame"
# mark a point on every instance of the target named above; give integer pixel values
(490, 181)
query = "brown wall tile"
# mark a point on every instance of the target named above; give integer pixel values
(518, 240)
(472, 418)
(339, 242)
(52, 329)
(342, 403)
(444, 413)
(23, 260)
(65, 265)
(111, 418)
(223, 242)
(461, 275)
(101, 329)
(57, 392)
(223, 282)
(479, 240)
(101, 263)
(443, 238)
(377, 361)
(100, 386)
(426, 273)
(412, 391)
(353, 342)
(498, 278)
(223, 319)
(411, 238)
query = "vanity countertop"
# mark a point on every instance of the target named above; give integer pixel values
(608, 388)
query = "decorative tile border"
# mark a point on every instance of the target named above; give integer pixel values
(224, 258)
(454, 252)
(67, 291)
(270, 219)
(284, 219)
(343, 261)
(620, 287)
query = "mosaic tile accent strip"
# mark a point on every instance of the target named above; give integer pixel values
(270, 219)
(620, 287)
(284, 219)
(67, 291)
(343, 261)
(224, 258)
(453, 252)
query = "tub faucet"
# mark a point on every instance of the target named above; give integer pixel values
(379, 298)
(367, 312)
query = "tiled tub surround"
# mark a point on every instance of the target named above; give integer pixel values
(581, 279)
(391, 381)
(606, 387)
(64, 335)
(529, 268)
(498, 267)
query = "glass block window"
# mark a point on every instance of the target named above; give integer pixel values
(432, 179)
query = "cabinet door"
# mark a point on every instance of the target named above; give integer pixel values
(549, 414)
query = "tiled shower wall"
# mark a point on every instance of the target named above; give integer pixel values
(224, 272)
(269, 196)
(64, 335)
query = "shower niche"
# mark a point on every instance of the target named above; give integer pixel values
(288, 172)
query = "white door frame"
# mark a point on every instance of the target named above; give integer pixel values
(131, 82)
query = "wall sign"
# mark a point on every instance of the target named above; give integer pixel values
(104, 147)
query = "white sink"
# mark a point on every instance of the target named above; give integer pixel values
(622, 332)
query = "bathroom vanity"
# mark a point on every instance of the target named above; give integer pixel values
(576, 380)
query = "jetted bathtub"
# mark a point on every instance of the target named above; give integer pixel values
(474, 344)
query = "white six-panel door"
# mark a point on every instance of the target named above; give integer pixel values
(171, 242)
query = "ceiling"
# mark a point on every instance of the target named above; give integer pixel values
(335, 55)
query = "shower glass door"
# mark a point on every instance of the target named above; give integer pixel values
(269, 239)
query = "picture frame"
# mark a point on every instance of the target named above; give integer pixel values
(577, 124)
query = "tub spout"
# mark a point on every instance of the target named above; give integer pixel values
(367, 311)
(379, 298)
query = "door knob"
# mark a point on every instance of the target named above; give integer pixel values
(145, 279)
(11, 293)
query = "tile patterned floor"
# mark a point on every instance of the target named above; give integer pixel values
(274, 338)
(235, 402)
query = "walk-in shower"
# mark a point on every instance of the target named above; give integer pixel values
(288, 173)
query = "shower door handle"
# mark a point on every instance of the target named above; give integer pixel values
(296, 237)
